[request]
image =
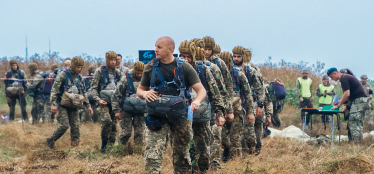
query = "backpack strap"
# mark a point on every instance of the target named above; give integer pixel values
(247, 73)
(200, 72)
(216, 61)
(130, 84)
(156, 70)
(182, 86)
(19, 76)
(208, 64)
(235, 78)
(8, 75)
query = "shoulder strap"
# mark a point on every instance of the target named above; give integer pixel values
(8, 75)
(200, 72)
(156, 70)
(248, 73)
(216, 61)
(19, 76)
(68, 77)
(130, 84)
(235, 79)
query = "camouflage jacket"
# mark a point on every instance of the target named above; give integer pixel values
(122, 69)
(96, 82)
(14, 75)
(367, 88)
(37, 82)
(217, 74)
(246, 91)
(60, 81)
(256, 83)
(213, 92)
(268, 104)
(120, 91)
(227, 80)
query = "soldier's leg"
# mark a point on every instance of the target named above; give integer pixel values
(74, 127)
(181, 135)
(368, 116)
(250, 137)
(113, 130)
(139, 127)
(95, 116)
(275, 120)
(47, 109)
(201, 136)
(302, 105)
(63, 123)
(23, 107)
(33, 111)
(126, 127)
(155, 147)
(235, 134)
(40, 108)
(226, 135)
(11, 104)
(215, 148)
(259, 124)
(355, 121)
(106, 125)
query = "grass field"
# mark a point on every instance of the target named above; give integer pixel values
(26, 152)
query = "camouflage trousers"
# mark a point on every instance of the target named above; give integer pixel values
(48, 116)
(108, 124)
(215, 146)
(253, 134)
(202, 140)
(67, 117)
(275, 120)
(12, 105)
(181, 135)
(231, 134)
(129, 121)
(37, 111)
(368, 116)
(356, 118)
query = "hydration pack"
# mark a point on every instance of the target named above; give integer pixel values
(71, 95)
(106, 94)
(279, 90)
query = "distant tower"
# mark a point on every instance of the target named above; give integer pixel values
(26, 47)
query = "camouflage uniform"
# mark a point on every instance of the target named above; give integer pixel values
(356, 118)
(231, 132)
(108, 123)
(122, 69)
(13, 100)
(38, 104)
(129, 120)
(67, 116)
(368, 115)
(202, 130)
(277, 106)
(252, 132)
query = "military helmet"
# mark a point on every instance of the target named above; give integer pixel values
(33, 67)
(247, 55)
(209, 42)
(13, 62)
(198, 42)
(325, 77)
(238, 50)
(216, 49)
(188, 47)
(53, 67)
(109, 56)
(77, 61)
(200, 54)
(139, 66)
(227, 58)
(91, 69)
(364, 77)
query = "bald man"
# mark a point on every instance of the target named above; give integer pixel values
(181, 134)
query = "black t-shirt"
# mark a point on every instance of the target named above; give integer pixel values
(167, 71)
(350, 82)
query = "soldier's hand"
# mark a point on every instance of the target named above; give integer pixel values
(258, 112)
(54, 109)
(150, 96)
(229, 117)
(195, 106)
(250, 118)
(220, 121)
(90, 112)
(301, 99)
(118, 116)
(102, 103)
(311, 98)
(268, 121)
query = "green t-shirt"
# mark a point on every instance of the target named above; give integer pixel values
(167, 71)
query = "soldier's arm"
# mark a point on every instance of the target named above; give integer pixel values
(214, 95)
(60, 80)
(25, 77)
(118, 94)
(227, 78)
(318, 92)
(95, 85)
(258, 86)
(86, 102)
(332, 93)
(222, 88)
(298, 88)
(36, 81)
(247, 92)
(268, 104)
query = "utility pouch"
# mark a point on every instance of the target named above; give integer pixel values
(106, 95)
(202, 114)
(71, 100)
(167, 106)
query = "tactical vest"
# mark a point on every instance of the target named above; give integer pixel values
(328, 98)
(69, 78)
(18, 76)
(305, 87)
(247, 73)
(105, 80)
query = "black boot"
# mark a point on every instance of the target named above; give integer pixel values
(226, 155)
(103, 145)
(216, 165)
(50, 143)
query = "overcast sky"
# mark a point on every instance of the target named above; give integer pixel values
(336, 32)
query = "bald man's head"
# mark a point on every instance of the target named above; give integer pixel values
(164, 47)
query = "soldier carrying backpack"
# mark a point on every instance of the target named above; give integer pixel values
(277, 92)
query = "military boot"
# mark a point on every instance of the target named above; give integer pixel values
(103, 146)
(226, 155)
(216, 165)
(74, 143)
(50, 143)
